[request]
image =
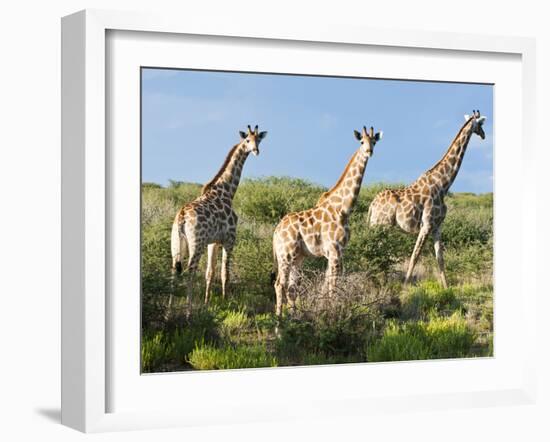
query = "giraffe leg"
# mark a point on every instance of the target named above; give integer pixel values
(195, 254)
(333, 270)
(293, 279)
(210, 268)
(438, 246)
(424, 231)
(173, 286)
(226, 262)
(281, 286)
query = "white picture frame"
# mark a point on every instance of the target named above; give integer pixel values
(86, 356)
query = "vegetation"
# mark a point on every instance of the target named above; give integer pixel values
(373, 317)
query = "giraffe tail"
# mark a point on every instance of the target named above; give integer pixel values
(178, 244)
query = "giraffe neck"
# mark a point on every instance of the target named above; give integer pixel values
(447, 168)
(344, 193)
(228, 177)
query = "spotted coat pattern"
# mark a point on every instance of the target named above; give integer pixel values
(209, 222)
(420, 208)
(322, 231)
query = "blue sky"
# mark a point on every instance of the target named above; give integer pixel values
(190, 120)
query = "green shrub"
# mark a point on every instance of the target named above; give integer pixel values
(466, 227)
(181, 193)
(428, 298)
(398, 345)
(267, 200)
(466, 200)
(253, 259)
(171, 346)
(470, 263)
(449, 337)
(265, 322)
(156, 276)
(156, 206)
(208, 357)
(348, 329)
(234, 323)
(376, 249)
(438, 338)
(155, 349)
(334, 328)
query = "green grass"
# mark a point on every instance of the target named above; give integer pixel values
(438, 338)
(234, 324)
(428, 298)
(374, 318)
(207, 357)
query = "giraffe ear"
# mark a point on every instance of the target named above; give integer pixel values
(378, 135)
(262, 135)
(242, 134)
(357, 135)
(481, 120)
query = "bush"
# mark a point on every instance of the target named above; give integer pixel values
(267, 200)
(265, 322)
(156, 208)
(207, 357)
(155, 349)
(449, 337)
(427, 299)
(467, 227)
(436, 339)
(253, 263)
(156, 277)
(398, 345)
(234, 323)
(376, 249)
(371, 317)
(341, 341)
(332, 327)
(170, 346)
(181, 193)
(470, 264)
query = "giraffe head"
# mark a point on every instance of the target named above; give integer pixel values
(251, 139)
(368, 139)
(477, 123)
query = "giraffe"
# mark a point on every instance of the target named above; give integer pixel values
(420, 208)
(322, 230)
(209, 221)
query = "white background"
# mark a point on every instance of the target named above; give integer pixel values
(30, 217)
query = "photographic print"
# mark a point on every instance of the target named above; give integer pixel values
(294, 220)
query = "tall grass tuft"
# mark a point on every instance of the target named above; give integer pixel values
(437, 338)
(207, 357)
